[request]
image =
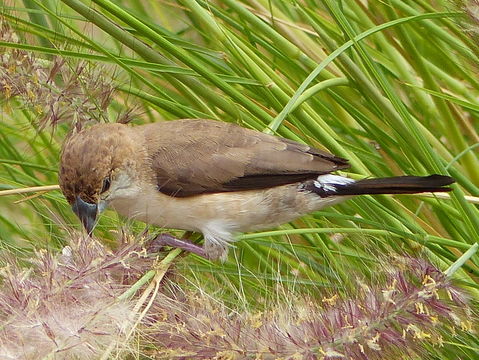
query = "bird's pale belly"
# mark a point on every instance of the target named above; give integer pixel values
(230, 212)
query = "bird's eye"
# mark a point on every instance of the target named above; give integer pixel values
(106, 184)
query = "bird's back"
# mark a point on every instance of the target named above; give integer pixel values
(199, 156)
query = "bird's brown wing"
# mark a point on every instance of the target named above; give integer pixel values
(192, 157)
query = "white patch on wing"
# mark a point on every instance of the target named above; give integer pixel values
(328, 182)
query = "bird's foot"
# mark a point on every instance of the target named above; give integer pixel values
(169, 240)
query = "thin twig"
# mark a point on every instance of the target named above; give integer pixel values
(45, 188)
(30, 197)
(29, 190)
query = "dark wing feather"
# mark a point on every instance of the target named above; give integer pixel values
(192, 157)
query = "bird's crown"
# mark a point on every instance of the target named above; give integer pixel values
(90, 156)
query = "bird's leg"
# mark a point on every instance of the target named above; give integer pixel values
(168, 240)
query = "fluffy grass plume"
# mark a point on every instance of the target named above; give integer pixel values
(408, 308)
(65, 305)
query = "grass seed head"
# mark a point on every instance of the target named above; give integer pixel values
(66, 305)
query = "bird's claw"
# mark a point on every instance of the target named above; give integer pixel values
(168, 240)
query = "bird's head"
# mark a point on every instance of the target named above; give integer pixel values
(97, 165)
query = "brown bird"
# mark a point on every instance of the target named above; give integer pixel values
(209, 176)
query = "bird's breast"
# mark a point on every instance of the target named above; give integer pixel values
(239, 211)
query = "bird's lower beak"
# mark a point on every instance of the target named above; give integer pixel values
(86, 212)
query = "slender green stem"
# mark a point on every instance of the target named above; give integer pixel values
(146, 51)
(313, 90)
(181, 55)
(162, 267)
(462, 260)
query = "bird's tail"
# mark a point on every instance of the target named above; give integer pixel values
(334, 185)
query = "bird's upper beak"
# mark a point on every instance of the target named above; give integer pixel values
(86, 212)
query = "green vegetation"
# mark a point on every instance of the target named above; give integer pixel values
(391, 85)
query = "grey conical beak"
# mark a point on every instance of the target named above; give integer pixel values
(86, 212)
